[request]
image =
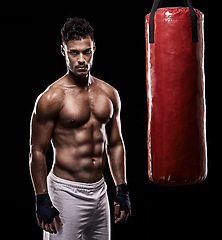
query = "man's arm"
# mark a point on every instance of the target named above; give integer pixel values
(117, 157)
(42, 124)
(115, 144)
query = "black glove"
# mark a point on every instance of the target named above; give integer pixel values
(44, 209)
(122, 198)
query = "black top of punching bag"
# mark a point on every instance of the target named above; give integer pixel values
(193, 16)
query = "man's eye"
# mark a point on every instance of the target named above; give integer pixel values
(74, 53)
(88, 51)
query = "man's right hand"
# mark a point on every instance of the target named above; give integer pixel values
(46, 213)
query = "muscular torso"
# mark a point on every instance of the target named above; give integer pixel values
(79, 134)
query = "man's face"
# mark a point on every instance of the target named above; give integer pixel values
(79, 55)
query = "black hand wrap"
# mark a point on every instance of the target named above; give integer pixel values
(122, 198)
(44, 209)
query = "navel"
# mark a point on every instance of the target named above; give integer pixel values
(93, 161)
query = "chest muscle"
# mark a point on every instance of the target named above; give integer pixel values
(80, 108)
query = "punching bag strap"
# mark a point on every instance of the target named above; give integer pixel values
(193, 17)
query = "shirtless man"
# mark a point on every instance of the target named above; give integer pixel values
(80, 115)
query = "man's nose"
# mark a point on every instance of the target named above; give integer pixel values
(81, 59)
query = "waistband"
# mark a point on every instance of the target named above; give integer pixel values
(89, 186)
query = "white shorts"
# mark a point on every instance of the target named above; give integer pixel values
(84, 209)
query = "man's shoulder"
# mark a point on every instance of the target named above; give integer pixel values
(51, 95)
(110, 90)
(51, 99)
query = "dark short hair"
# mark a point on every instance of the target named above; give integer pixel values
(76, 28)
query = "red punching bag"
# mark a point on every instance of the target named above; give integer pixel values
(176, 96)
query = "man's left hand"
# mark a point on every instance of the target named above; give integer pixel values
(122, 204)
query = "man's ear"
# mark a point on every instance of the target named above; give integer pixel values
(94, 47)
(62, 50)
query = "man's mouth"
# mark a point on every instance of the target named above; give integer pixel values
(84, 67)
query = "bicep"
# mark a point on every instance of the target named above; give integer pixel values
(114, 135)
(113, 128)
(43, 119)
(41, 133)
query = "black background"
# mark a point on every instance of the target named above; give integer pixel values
(31, 60)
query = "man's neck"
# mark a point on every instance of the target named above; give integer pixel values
(82, 82)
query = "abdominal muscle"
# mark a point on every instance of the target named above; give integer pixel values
(79, 154)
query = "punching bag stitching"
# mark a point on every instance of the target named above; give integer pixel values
(193, 18)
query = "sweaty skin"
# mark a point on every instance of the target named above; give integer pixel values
(77, 120)
(80, 116)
